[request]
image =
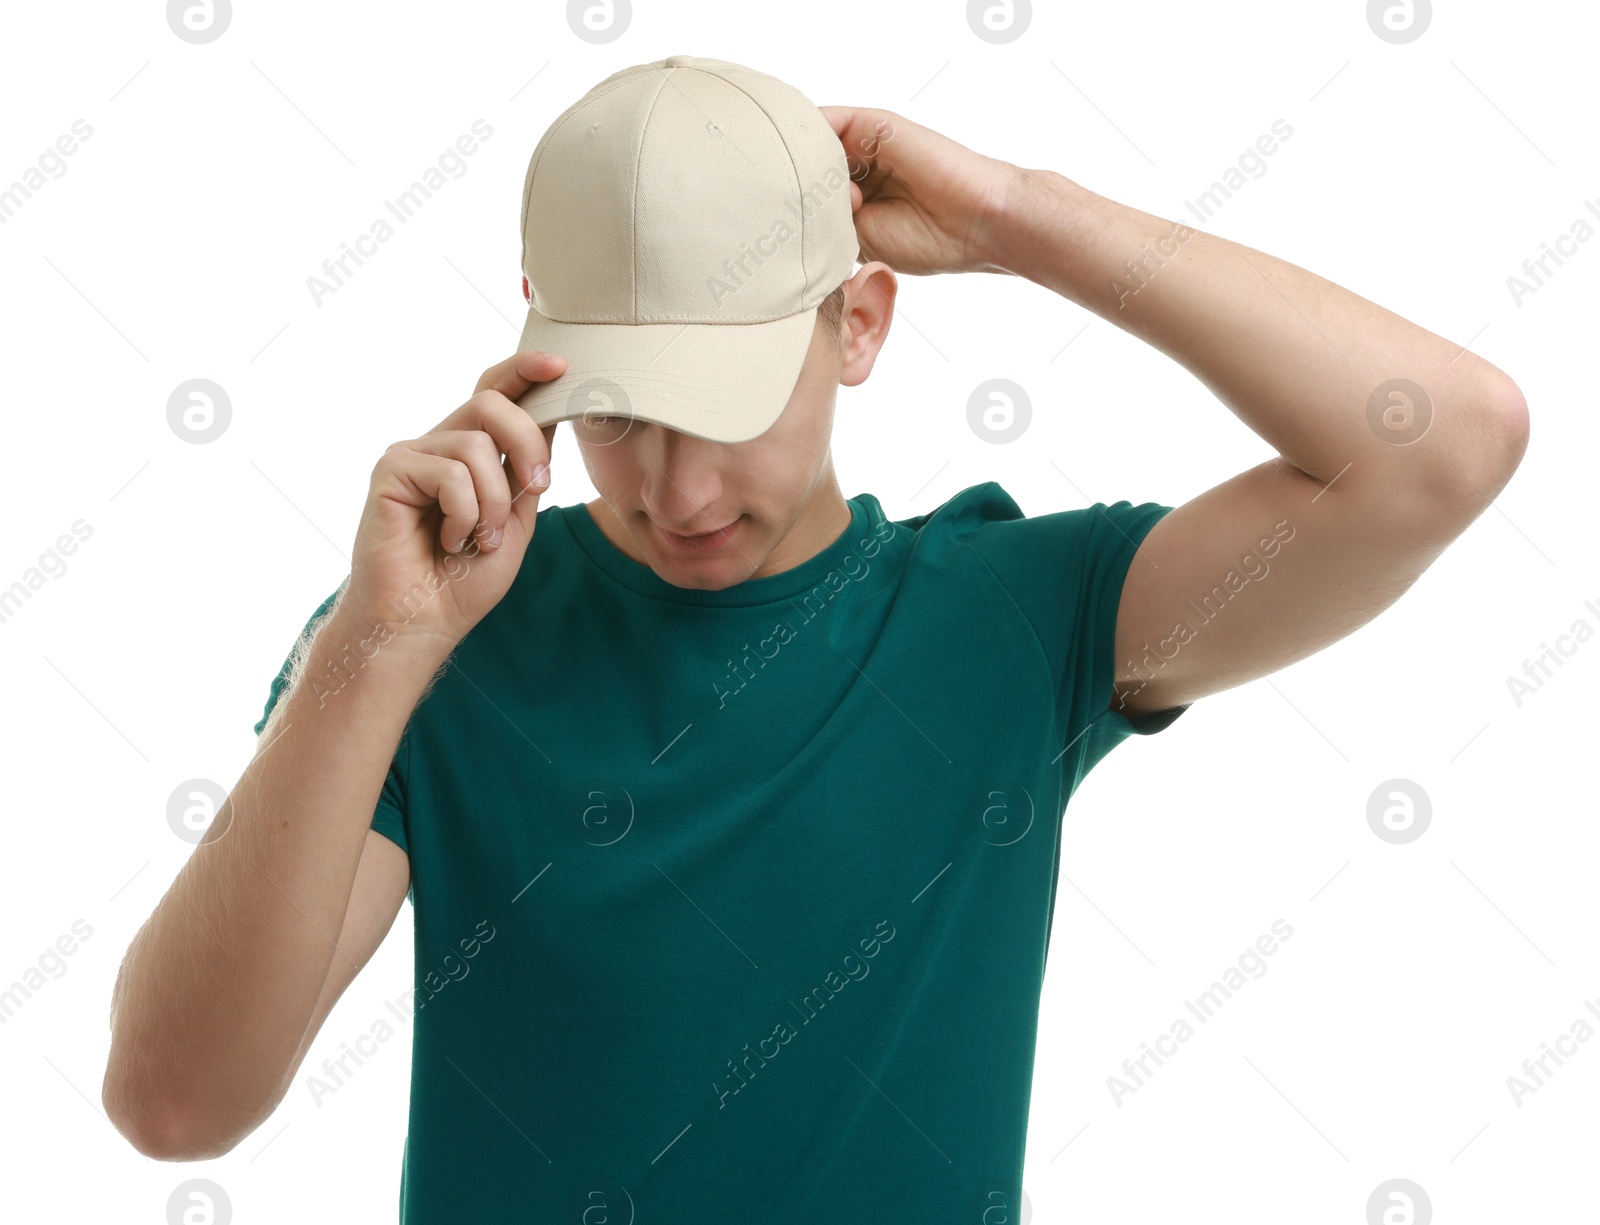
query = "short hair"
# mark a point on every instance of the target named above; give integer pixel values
(830, 311)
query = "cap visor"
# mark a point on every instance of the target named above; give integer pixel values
(724, 382)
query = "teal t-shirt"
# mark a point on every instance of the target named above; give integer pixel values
(734, 905)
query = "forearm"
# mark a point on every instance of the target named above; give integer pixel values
(1296, 357)
(217, 989)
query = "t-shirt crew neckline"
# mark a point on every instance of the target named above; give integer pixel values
(771, 588)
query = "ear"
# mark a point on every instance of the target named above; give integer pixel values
(527, 294)
(869, 309)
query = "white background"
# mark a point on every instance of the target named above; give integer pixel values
(178, 244)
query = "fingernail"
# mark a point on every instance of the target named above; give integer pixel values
(494, 539)
(541, 474)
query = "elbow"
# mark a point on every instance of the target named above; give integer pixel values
(150, 1136)
(1508, 410)
(159, 1145)
(156, 1130)
(1486, 456)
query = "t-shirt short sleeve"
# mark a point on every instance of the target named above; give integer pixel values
(1065, 572)
(389, 816)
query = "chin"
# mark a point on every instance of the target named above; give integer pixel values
(709, 573)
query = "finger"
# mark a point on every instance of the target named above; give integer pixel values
(491, 483)
(425, 479)
(532, 488)
(525, 495)
(521, 371)
(864, 133)
(838, 117)
(512, 427)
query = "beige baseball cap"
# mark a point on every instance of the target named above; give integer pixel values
(681, 222)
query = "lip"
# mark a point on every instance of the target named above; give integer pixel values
(704, 542)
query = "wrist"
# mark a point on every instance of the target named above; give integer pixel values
(1033, 212)
(353, 641)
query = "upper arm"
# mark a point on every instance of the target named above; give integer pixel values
(1257, 573)
(383, 877)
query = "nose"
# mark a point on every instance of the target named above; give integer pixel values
(683, 489)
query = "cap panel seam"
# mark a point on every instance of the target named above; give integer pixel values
(544, 143)
(783, 138)
(633, 221)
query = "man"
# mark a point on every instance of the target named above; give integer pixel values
(728, 806)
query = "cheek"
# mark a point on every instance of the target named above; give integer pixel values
(604, 464)
(783, 471)
(802, 435)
